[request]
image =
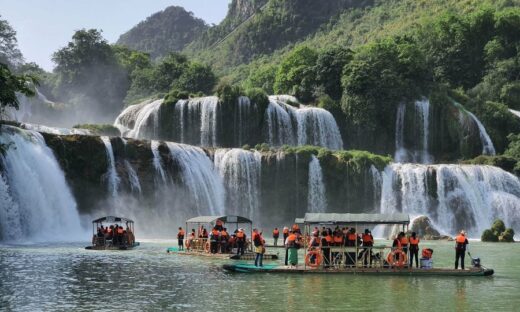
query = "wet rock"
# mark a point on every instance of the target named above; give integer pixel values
(424, 228)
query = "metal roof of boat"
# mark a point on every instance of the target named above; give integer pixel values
(112, 219)
(351, 218)
(226, 219)
(299, 220)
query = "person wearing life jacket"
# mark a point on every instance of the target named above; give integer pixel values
(352, 238)
(191, 239)
(414, 249)
(120, 232)
(368, 242)
(296, 229)
(224, 238)
(285, 233)
(214, 240)
(240, 241)
(292, 245)
(180, 238)
(461, 243)
(110, 233)
(326, 242)
(276, 234)
(404, 243)
(337, 239)
(258, 242)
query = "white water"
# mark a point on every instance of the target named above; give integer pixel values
(420, 153)
(140, 121)
(487, 145)
(157, 161)
(36, 203)
(133, 178)
(240, 170)
(111, 175)
(301, 126)
(515, 112)
(199, 177)
(458, 197)
(317, 198)
(204, 109)
(54, 130)
(245, 110)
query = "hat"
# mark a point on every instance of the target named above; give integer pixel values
(462, 232)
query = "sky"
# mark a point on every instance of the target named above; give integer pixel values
(44, 26)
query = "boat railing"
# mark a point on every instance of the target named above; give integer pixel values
(341, 257)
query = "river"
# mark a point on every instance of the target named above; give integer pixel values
(67, 277)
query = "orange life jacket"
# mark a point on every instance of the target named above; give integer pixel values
(338, 239)
(181, 233)
(120, 231)
(352, 236)
(276, 232)
(295, 227)
(404, 241)
(214, 232)
(286, 231)
(328, 238)
(461, 239)
(414, 241)
(291, 240)
(367, 238)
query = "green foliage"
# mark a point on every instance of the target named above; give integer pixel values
(396, 68)
(505, 162)
(197, 78)
(498, 227)
(10, 84)
(329, 70)
(508, 236)
(295, 75)
(489, 236)
(513, 150)
(96, 129)
(167, 31)
(264, 147)
(172, 97)
(258, 97)
(228, 94)
(88, 70)
(9, 52)
(262, 77)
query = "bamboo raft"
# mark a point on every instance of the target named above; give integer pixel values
(246, 256)
(273, 268)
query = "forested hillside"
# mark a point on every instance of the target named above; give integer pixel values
(164, 32)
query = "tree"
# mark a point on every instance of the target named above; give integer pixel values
(296, 76)
(168, 71)
(197, 78)
(87, 68)
(10, 84)
(9, 52)
(329, 70)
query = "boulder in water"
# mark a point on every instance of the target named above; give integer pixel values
(424, 228)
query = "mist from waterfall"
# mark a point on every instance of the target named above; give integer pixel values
(317, 197)
(240, 171)
(36, 202)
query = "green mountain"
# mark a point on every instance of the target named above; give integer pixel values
(164, 32)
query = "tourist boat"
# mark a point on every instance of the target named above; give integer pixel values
(281, 243)
(106, 237)
(199, 246)
(376, 260)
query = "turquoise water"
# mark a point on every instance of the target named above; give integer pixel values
(67, 277)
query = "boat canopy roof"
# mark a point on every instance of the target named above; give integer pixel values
(361, 218)
(112, 219)
(299, 220)
(225, 219)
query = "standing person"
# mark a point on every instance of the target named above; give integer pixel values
(240, 240)
(285, 233)
(180, 238)
(368, 243)
(404, 243)
(414, 249)
(224, 237)
(276, 234)
(214, 239)
(292, 245)
(258, 242)
(460, 249)
(326, 241)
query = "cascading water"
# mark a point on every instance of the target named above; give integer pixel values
(157, 161)
(515, 112)
(317, 199)
(240, 170)
(242, 120)
(198, 120)
(208, 121)
(112, 177)
(36, 203)
(199, 177)
(455, 197)
(54, 130)
(301, 126)
(419, 153)
(487, 145)
(140, 121)
(133, 178)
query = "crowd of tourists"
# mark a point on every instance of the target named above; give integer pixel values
(113, 235)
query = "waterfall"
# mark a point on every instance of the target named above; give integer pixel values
(208, 121)
(242, 121)
(140, 121)
(54, 130)
(301, 126)
(133, 178)
(157, 162)
(515, 112)
(317, 198)
(113, 178)
(240, 170)
(199, 178)
(455, 197)
(419, 153)
(487, 145)
(36, 203)
(198, 120)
